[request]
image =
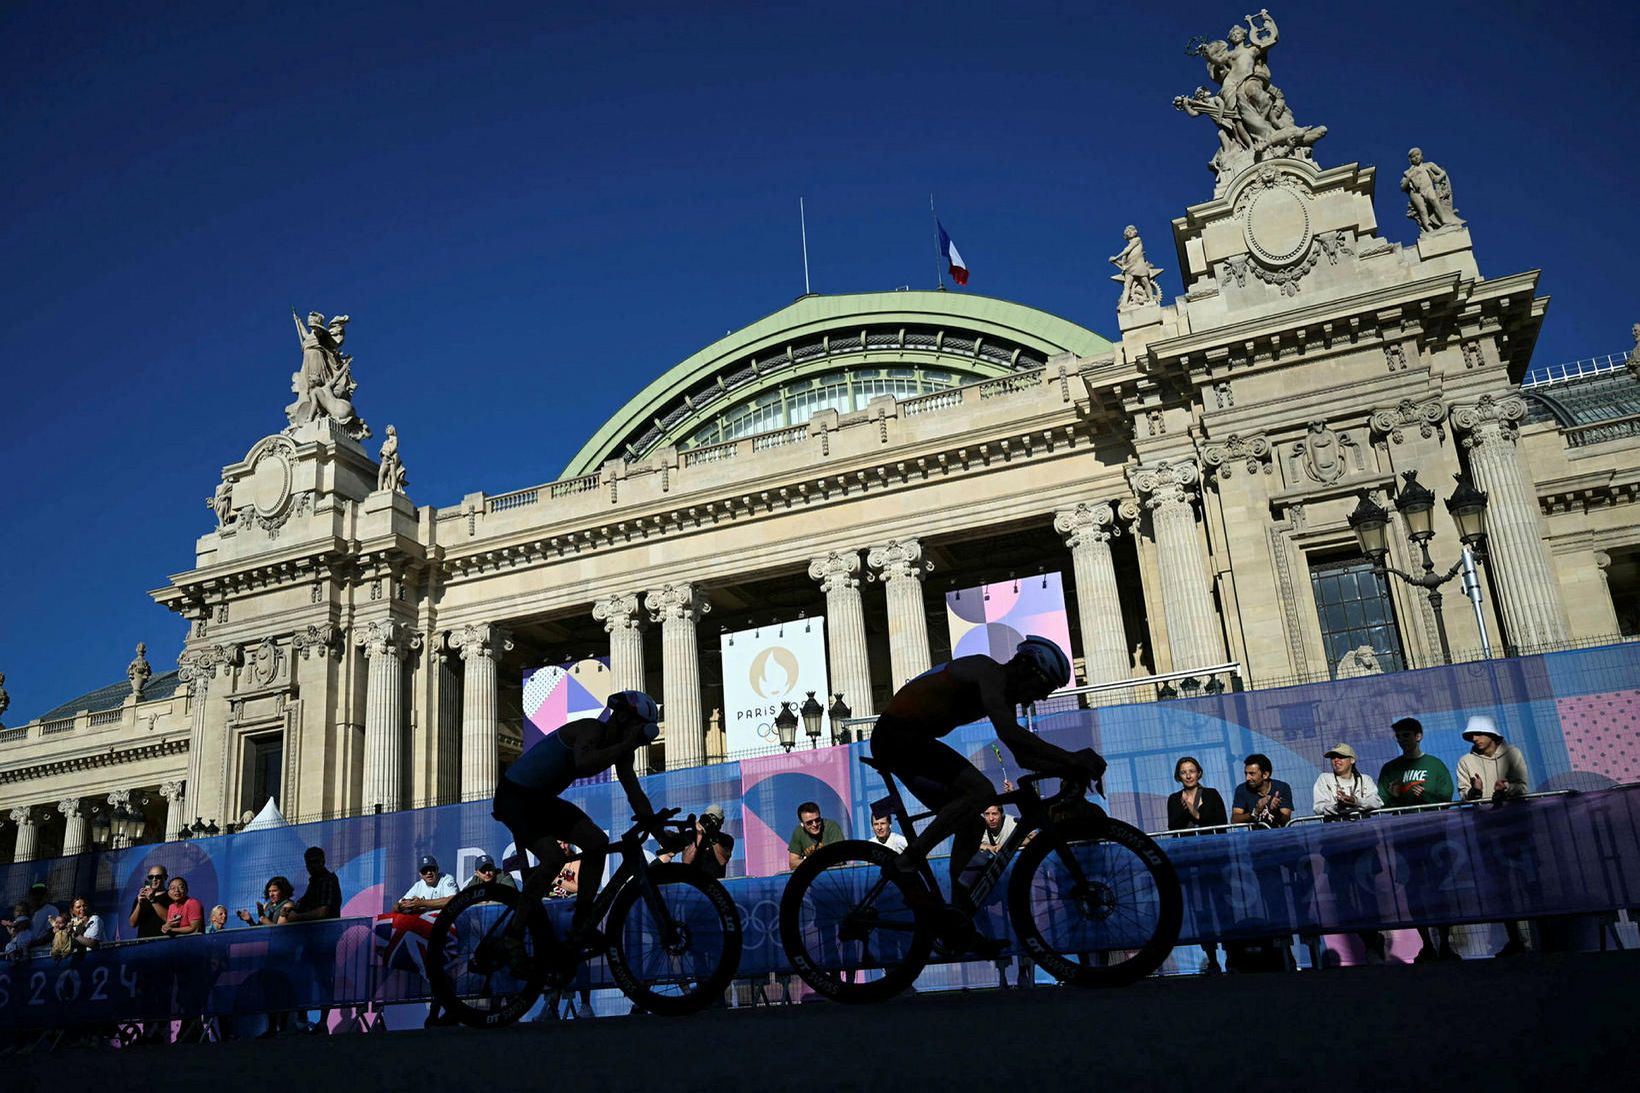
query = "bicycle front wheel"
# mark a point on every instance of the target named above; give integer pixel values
(678, 954)
(1095, 902)
(854, 927)
(467, 961)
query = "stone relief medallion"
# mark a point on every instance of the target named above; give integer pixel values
(264, 662)
(1276, 226)
(269, 481)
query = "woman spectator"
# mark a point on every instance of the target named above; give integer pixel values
(1196, 806)
(185, 915)
(218, 920)
(80, 931)
(276, 893)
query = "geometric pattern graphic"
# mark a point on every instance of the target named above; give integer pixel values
(1600, 731)
(993, 618)
(560, 693)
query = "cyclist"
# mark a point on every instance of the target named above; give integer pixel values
(527, 801)
(906, 742)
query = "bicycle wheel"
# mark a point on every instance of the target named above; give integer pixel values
(855, 929)
(1095, 902)
(467, 964)
(681, 965)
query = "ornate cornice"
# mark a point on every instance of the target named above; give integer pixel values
(112, 756)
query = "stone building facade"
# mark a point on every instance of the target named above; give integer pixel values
(856, 455)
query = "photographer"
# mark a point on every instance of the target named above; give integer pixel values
(711, 847)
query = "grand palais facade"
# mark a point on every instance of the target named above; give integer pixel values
(350, 650)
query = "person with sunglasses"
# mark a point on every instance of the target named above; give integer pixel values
(152, 908)
(431, 891)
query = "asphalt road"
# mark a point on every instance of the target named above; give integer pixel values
(1551, 1021)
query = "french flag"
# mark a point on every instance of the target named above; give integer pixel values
(959, 268)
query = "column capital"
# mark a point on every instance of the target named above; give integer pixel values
(321, 640)
(836, 571)
(1491, 421)
(1169, 482)
(1426, 415)
(172, 791)
(1253, 452)
(676, 601)
(207, 662)
(483, 639)
(622, 611)
(386, 637)
(1086, 523)
(69, 807)
(898, 559)
(22, 814)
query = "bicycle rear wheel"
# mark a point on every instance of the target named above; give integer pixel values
(685, 963)
(855, 929)
(467, 962)
(1095, 902)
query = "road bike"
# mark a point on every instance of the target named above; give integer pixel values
(671, 933)
(1094, 901)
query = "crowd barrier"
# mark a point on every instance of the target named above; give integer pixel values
(1568, 854)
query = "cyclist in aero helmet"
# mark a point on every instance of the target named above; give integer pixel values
(906, 742)
(527, 799)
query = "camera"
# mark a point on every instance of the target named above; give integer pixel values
(711, 824)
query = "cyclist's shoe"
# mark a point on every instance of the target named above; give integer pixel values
(958, 935)
(517, 954)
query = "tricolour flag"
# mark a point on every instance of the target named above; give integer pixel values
(959, 268)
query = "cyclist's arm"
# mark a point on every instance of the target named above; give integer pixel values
(628, 778)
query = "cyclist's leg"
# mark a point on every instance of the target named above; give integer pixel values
(943, 780)
(594, 844)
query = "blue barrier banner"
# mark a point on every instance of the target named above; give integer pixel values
(1566, 855)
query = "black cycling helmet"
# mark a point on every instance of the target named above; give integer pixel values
(638, 706)
(1046, 660)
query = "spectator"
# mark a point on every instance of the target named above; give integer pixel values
(1413, 778)
(881, 833)
(41, 914)
(485, 871)
(323, 898)
(21, 927)
(568, 881)
(998, 826)
(812, 832)
(80, 931)
(184, 915)
(1196, 806)
(277, 894)
(217, 921)
(710, 849)
(1344, 793)
(152, 906)
(431, 890)
(1492, 769)
(1261, 800)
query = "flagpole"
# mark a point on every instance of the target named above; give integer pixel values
(803, 221)
(939, 270)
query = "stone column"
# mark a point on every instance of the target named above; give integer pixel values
(480, 646)
(1528, 591)
(623, 622)
(386, 644)
(23, 817)
(175, 806)
(846, 621)
(676, 607)
(900, 567)
(1193, 632)
(74, 834)
(195, 669)
(1088, 530)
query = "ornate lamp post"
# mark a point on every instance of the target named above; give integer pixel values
(840, 713)
(785, 723)
(1416, 503)
(812, 713)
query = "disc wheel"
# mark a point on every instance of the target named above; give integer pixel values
(855, 929)
(1095, 902)
(467, 962)
(683, 963)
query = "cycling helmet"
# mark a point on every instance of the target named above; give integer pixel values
(1046, 659)
(638, 706)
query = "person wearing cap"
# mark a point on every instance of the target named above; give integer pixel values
(485, 871)
(431, 891)
(1344, 793)
(1413, 778)
(42, 912)
(710, 849)
(1492, 769)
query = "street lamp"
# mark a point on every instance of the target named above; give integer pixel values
(840, 714)
(1416, 503)
(812, 712)
(785, 722)
(101, 828)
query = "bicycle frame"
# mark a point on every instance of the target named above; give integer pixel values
(634, 869)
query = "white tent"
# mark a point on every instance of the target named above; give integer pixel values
(270, 816)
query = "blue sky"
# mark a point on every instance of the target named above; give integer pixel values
(531, 211)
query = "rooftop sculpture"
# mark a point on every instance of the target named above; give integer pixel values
(324, 384)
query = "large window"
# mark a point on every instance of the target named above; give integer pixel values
(264, 764)
(1353, 605)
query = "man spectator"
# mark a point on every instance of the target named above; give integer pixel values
(1410, 779)
(998, 827)
(812, 832)
(21, 927)
(1413, 778)
(41, 914)
(1492, 770)
(710, 849)
(322, 900)
(184, 915)
(431, 890)
(485, 871)
(153, 904)
(1261, 800)
(884, 836)
(1344, 793)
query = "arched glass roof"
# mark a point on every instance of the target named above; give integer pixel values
(831, 352)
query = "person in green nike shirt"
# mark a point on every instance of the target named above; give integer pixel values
(1413, 778)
